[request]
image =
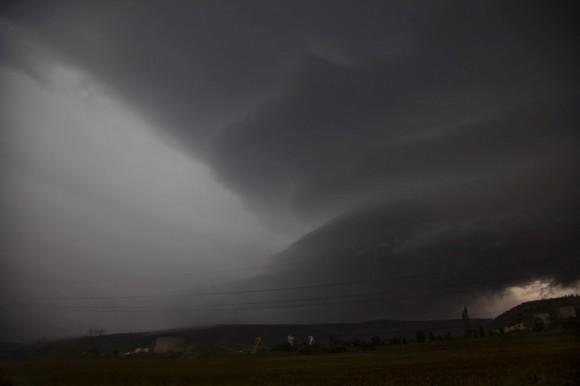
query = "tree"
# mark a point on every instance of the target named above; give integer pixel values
(432, 337)
(420, 336)
(538, 325)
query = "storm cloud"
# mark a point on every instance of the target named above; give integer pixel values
(373, 139)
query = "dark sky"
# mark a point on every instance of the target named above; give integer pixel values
(418, 154)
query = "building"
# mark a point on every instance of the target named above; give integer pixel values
(544, 317)
(169, 345)
(516, 327)
(565, 312)
(291, 340)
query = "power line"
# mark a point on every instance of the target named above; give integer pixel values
(348, 296)
(303, 262)
(327, 285)
(254, 305)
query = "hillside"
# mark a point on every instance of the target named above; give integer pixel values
(526, 312)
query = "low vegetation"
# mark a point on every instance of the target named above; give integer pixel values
(550, 357)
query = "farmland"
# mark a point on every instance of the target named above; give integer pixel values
(548, 358)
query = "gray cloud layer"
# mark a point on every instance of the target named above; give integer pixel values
(303, 86)
(452, 122)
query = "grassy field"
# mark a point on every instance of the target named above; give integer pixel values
(547, 358)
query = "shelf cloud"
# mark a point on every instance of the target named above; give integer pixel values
(149, 138)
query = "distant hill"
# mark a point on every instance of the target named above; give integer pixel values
(10, 349)
(234, 337)
(526, 312)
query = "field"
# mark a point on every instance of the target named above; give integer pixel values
(546, 358)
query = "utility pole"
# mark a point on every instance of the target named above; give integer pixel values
(401, 338)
